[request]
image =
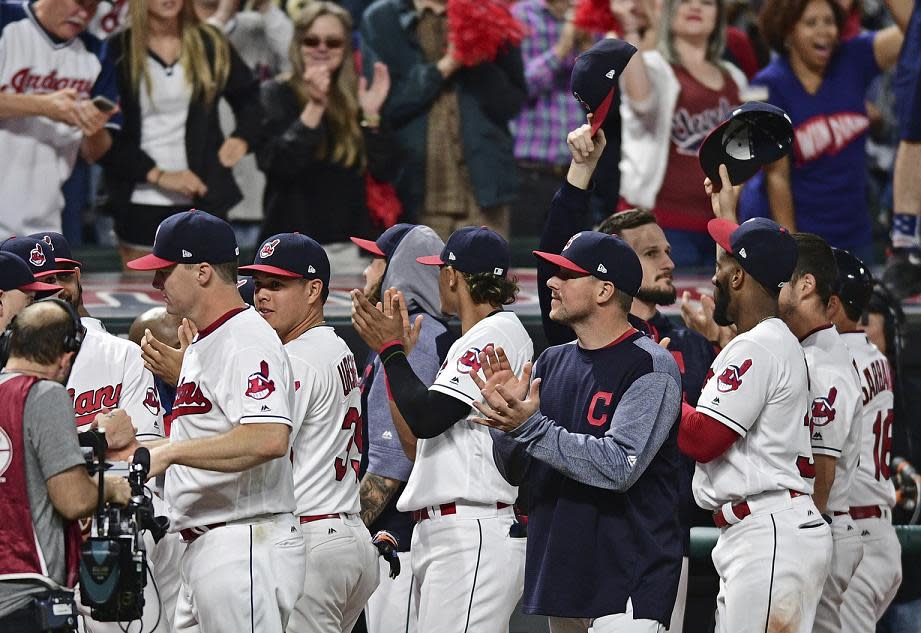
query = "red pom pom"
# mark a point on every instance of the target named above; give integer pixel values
(595, 16)
(479, 29)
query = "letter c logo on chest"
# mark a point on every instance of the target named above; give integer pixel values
(601, 397)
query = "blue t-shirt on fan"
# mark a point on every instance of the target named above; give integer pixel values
(828, 176)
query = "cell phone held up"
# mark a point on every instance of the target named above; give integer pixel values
(104, 105)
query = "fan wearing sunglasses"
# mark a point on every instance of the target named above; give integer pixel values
(323, 134)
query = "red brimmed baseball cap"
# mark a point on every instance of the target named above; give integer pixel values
(59, 246)
(291, 255)
(16, 275)
(387, 243)
(473, 250)
(603, 256)
(763, 248)
(190, 237)
(36, 254)
(595, 75)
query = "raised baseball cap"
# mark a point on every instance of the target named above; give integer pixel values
(387, 243)
(763, 248)
(290, 255)
(59, 246)
(38, 255)
(16, 275)
(190, 237)
(473, 250)
(753, 135)
(606, 257)
(595, 77)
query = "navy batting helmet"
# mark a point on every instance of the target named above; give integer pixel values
(855, 283)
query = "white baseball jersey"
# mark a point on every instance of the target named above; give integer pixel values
(835, 411)
(109, 374)
(235, 372)
(39, 153)
(91, 323)
(758, 387)
(872, 485)
(458, 464)
(327, 400)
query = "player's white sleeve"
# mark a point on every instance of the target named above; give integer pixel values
(830, 412)
(454, 378)
(737, 390)
(261, 384)
(310, 386)
(139, 398)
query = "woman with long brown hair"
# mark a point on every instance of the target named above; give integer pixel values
(322, 132)
(170, 154)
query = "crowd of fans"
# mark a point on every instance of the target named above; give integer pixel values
(342, 119)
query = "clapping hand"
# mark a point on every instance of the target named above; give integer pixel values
(509, 400)
(372, 97)
(163, 360)
(387, 321)
(700, 319)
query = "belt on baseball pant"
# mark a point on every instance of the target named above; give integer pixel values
(741, 510)
(865, 512)
(445, 509)
(190, 534)
(310, 518)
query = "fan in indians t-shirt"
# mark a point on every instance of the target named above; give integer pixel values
(681, 203)
(828, 173)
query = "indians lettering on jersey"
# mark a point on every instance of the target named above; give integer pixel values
(823, 409)
(690, 130)
(189, 400)
(876, 379)
(827, 135)
(89, 404)
(258, 386)
(25, 80)
(348, 375)
(731, 378)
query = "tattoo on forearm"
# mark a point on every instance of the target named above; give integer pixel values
(376, 492)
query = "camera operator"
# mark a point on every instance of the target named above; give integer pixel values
(44, 485)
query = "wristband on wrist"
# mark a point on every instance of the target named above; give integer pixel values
(370, 120)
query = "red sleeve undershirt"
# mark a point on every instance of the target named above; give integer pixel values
(701, 437)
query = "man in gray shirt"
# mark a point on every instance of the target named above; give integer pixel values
(40, 455)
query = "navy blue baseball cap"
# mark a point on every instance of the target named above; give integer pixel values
(59, 246)
(606, 257)
(291, 255)
(38, 255)
(16, 275)
(763, 248)
(595, 75)
(473, 250)
(753, 135)
(387, 243)
(190, 237)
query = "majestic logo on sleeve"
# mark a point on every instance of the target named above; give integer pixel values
(258, 385)
(152, 401)
(469, 362)
(90, 403)
(189, 400)
(731, 378)
(37, 256)
(268, 249)
(823, 408)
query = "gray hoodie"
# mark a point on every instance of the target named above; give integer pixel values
(419, 285)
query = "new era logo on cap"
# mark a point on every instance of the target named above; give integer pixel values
(291, 255)
(601, 268)
(611, 74)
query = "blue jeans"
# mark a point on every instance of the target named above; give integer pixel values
(903, 617)
(691, 249)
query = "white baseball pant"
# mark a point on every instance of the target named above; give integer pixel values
(772, 566)
(391, 608)
(614, 623)
(877, 578)
(242, 577)
(847, 550)
(342, 573)
(469, 573)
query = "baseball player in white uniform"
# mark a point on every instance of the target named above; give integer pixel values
(229, 481)
(468, 566)
(834, 413)
(750, 439)
(291, 274)
(871, 495)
